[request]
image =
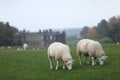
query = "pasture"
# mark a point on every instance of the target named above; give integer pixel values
(34, 65)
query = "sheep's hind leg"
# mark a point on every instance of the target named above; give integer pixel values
(80, 58)
(51, 67)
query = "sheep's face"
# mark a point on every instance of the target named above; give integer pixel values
(102, 59)
(69, 64)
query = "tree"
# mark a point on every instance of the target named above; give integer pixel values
(105, 30)
(117, 37)
(84, 32)
(92, 34)
(6, 33)
(114, 23)
(102, 29)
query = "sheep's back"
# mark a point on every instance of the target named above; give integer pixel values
(57, 50)
(82, 45)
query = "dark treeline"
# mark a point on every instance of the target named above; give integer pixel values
(7, 33)
(108, 31)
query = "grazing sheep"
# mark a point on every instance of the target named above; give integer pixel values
(9, 47)
(91, 48)
(117, 43)
(18, 49)
(33, 49)
(38, 49)
(25, 46)
(60, 51)
(2, 48)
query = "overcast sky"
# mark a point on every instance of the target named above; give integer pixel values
(43, 14)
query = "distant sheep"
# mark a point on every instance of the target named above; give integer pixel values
(38, 49)
(9, 47)
(18, 49)
(117, 43)
(91, 48)
(25, 46)
(2, 48)
(33, 49)
(60, 51)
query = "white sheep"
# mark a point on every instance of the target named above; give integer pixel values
(37, 49)
(91, 48)
(118, 43)
(60, 51)
(25, 46)
(9, 47)
(33, 49)
(2, 48)
(18, 49)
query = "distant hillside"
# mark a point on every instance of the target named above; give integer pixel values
(70, 31)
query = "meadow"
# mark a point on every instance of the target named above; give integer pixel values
(34, 65)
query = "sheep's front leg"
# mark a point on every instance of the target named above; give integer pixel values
(93, 61)
(51, 67)
(63, 66)
(57, 65)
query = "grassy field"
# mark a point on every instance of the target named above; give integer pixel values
(34, 65)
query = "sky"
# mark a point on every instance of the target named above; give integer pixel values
(33, 15)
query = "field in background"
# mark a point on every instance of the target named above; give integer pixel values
(72, 43)
(34, 65)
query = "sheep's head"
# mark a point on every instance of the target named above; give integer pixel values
(68, 64)
(102, 59)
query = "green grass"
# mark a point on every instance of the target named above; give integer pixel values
(72, 43)
(34, 65)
